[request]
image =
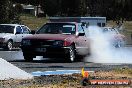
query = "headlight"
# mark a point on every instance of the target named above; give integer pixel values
(2, 39)
(58, 43)
(26, 42)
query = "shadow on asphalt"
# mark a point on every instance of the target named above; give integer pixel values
(50, 60)
(45, 61)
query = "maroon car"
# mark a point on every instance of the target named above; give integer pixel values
(56, 39)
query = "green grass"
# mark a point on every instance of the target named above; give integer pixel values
(32, 22)
(123, 70)
(127, 25)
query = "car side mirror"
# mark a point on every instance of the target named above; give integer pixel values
(32, 31)
(81, 34)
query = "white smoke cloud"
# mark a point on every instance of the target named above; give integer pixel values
(102, 50)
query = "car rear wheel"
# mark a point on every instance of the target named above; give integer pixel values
(119, 44)
(71, 54)
(28, 58)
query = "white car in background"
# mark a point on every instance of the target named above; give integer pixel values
(11, 35)
(117, 39)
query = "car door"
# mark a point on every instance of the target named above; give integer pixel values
(82, 42)
(26, 31)
(19, 34)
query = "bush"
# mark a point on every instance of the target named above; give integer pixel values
(8, 13)
(18, 8)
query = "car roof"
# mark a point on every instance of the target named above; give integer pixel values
(63, 22)
(12, 24)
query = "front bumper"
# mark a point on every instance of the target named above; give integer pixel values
(50, 52)
(2, 44)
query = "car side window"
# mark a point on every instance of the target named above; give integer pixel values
(99, 24)
(25, 30)
(80, 29)
(68, 29)
(44, 29)
(18, 30)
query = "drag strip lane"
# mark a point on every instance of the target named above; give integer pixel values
(16, 58)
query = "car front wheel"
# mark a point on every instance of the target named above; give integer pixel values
(9, 45)
(28, 58)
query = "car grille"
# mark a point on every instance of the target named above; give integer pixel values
(42, 42)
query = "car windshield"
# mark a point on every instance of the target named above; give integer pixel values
(6, 29)
(57, 28)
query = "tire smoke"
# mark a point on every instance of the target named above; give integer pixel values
(102, 49)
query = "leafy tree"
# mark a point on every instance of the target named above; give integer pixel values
(112, 9)
(18, 8)
(21, 1)
(50, 7)
(7, 11)
(121, 9)
(3, 11)
(72, 7)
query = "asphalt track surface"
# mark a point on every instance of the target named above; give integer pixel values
(47, 64)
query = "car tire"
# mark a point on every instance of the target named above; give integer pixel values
(9, 45)
(71, 54)
(119, 44)
(28, 58)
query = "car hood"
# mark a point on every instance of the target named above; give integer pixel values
(50, 36)
(2, 35)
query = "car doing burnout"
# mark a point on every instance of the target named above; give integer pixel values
(56, 39)
(117, 39)
(11, 35)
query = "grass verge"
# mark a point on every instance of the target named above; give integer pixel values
(32, 22)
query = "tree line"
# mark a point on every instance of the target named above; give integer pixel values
(112, 9)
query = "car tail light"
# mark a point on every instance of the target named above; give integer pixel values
(66, 43)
